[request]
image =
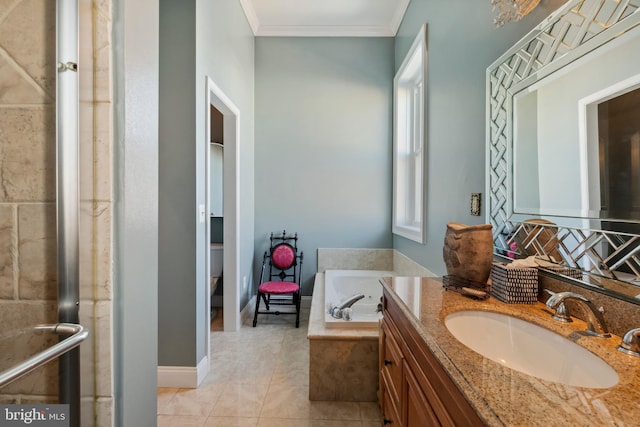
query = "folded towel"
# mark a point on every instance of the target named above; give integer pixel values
(527, 262)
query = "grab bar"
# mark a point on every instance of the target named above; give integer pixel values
(53, 352)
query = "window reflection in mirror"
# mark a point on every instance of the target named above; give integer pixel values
(559, 168)
(619, 148)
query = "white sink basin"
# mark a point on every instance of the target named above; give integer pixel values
(530, 349)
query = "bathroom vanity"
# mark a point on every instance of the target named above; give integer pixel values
(415, 389)
(428, 377)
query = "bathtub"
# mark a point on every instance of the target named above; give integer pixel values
(342, 284)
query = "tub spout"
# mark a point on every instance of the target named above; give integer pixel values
(337, 310)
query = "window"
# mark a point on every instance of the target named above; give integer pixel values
(409, 159)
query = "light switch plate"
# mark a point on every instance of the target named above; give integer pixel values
(475, 203)
(202, 213)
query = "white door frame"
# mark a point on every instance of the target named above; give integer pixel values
(231, 235)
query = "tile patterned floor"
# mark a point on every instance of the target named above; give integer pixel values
(259, 377)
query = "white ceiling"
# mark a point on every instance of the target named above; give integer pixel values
(325, 18)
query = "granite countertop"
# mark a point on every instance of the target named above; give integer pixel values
(502, 396)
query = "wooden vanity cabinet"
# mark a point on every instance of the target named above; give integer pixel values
(415, 391)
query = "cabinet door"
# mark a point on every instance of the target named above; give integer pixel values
(390, 417)
(418, 411)
(392, 361)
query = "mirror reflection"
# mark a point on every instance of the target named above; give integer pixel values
(576, 137)
(563, 133)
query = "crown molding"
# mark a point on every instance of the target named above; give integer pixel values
(399, 16)
(261, 30)
(250, 13)
(324, 31)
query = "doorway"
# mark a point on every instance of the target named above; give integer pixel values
(216, 217)
(221, 200)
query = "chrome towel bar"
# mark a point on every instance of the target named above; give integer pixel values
(78, 334)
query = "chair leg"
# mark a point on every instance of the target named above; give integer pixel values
(297, 297)
(255, 315)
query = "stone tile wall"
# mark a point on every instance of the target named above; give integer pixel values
(28, 272)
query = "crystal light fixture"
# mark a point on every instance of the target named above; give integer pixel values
(512, 10)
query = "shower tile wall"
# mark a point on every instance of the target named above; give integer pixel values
(27, 194)
(27, 185)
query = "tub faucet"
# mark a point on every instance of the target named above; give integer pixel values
(596, 324)
(336, 311)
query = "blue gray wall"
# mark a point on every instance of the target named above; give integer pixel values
(135, 74)
(177, 196)
(321, 164)
(323, 144)
(225, 53)
(462, 43)
(197, 38)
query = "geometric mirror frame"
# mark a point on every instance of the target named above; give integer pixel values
(574, 30)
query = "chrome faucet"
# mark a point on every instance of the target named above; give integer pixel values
(336, 311)
(631, 343)
(596, 324)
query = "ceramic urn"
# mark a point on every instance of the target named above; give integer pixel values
(468, 251)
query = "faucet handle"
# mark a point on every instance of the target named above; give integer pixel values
(631, 343)
(561, 312)
(596, 324)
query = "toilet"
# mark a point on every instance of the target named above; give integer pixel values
(216, 275)
(216, 259)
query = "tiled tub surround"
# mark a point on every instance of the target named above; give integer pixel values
(343, 362)
(369, 259)
(502, 396)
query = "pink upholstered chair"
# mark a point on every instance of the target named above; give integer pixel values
(280, 276)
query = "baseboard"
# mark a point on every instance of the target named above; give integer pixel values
(246, 314)
(183, 376)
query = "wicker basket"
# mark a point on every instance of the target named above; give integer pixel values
(565, 271)
(514, 285)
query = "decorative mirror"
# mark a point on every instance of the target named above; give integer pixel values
(563, 145)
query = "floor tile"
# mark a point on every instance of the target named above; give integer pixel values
(370, 411)
(259, 377)
(240, 400)
(198, 401)
(335, 411)
(286, 401)
(231, 422)
(165, 394)
(181, 421)
(282, 422)
(334, 423)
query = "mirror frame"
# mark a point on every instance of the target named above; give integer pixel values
(574, 30)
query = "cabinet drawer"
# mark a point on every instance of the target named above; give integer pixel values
(391, 361)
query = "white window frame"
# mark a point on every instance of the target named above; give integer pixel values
(409, 142)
